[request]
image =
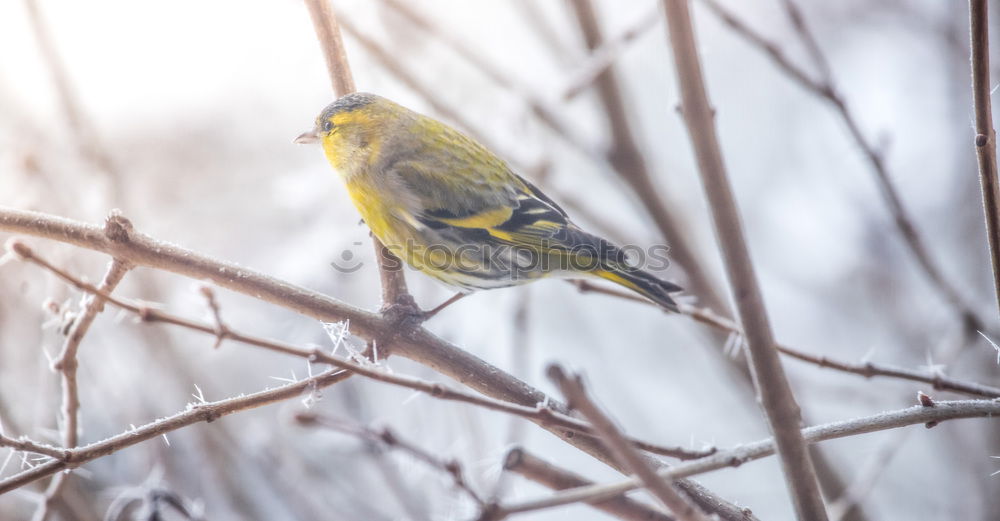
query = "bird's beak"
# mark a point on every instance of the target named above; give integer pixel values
(307, 138)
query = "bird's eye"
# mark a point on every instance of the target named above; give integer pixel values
(327, 126)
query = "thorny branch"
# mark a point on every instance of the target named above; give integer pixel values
(866, 369)
(418, 344)
(919, 414)
(986, 136)
(195, 413)
(66, 363)
(780, 408)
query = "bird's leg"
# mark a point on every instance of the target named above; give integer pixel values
(427, 315)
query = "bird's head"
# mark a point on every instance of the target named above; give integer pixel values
(353, 129)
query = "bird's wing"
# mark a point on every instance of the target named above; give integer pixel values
(505, 208)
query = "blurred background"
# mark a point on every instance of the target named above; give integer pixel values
(182, 114)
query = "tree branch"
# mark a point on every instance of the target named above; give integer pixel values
(920, 414)
(775, 395)
(985, 141)
(865, 369)
(66, 363)
(195, 413)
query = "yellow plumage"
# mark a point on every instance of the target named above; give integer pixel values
(452, 209)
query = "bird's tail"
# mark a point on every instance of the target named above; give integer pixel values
(643, 283)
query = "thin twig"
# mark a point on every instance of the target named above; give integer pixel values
(195, 413)
(25, 445)
(985, 141)
(577, 398)
(775, 394)
(540, 471)
(866, 369)
(66, 363)
(706, 316)
(327, 29)
(825, 89)
(388, 438)
(919, 414)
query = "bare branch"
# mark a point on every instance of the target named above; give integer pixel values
(195, 413)
(119, 240)
(736, 457)
(865, 369)
(985, 141)
(776, 397)
(66, 363)
(706, 316)
(25, 445)
(545, 473)
(611, 435)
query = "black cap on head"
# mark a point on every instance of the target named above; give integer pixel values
(348, 103)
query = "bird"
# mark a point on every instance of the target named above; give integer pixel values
(454, 210)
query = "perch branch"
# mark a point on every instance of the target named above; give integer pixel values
(440, 391)
(417, 344)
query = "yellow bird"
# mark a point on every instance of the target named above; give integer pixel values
(454, 210)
